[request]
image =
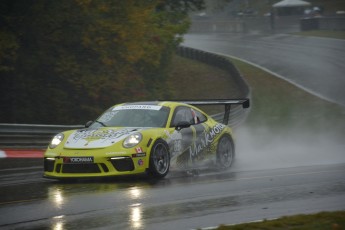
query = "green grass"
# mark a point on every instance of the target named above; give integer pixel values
(194, 80)
(319, 221)
(280, 105)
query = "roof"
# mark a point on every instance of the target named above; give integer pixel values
(291, 3)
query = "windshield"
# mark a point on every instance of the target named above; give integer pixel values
(133, 116)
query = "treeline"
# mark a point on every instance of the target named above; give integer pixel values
(65, 61)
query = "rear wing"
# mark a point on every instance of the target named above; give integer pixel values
(226, 102)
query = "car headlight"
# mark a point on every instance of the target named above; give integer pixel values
(56, 140)
(132, 140)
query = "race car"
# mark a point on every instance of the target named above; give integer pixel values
(144, 137)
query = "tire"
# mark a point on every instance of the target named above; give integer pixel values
(225, 152)
(159, 159)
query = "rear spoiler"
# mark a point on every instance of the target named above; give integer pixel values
(226, 102)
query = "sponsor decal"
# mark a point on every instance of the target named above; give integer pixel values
(92, 135)
(205, 140)
(139, 155)
(147, 107)
(77, 160)
(115, 153)
(139, 150)
(97, 138)
(140, 162)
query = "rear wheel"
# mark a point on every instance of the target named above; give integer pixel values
(225, 152)
(159, 159)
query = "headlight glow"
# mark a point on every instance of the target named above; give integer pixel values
(132, 140)
(56, 140)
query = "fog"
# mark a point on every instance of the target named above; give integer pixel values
(263, 148)
(313, 64)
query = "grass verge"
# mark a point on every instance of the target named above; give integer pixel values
(190, 80)
(281, 105)
(319, 221)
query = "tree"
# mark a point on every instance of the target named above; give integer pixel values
(66, 61)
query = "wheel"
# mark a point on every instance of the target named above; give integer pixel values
(159, 159)
(225, 152)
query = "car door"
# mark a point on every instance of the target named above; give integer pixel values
(198, 149)
(186, 144)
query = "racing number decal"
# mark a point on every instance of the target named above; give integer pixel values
(177, 147)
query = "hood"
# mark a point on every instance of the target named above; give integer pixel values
(98, 138)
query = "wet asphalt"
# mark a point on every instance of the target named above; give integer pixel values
(265, 182)
(312, 63)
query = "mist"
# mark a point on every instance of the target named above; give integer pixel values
(262, 148)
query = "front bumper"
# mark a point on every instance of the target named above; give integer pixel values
(56, 167)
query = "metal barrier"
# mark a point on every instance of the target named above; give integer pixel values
(35, 136)
(217, 61)
(323, 23)
(30, 136)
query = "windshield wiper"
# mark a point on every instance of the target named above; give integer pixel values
(101, 123)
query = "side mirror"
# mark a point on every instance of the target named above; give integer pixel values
(182, 125)
(87, 125)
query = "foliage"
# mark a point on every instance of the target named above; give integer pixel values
(66, 61)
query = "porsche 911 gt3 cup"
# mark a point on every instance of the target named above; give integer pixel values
(151, 137)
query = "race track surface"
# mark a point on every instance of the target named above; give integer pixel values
(180, 201)
(314, 64)
(272, 176)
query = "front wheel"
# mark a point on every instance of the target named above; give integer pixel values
(225, 152)
(159, 159)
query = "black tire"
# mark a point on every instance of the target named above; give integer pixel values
(159, 159)
(225, 152)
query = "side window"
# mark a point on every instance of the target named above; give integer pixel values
(182, 113)
(188, 114)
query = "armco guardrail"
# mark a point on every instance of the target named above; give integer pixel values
(217, 61)
(237, 113)
(218, 26)
(32, 136)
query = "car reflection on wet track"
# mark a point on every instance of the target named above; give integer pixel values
(177, 202)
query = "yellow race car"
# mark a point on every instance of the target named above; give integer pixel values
(151, 137)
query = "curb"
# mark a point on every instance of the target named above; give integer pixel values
(21, 153)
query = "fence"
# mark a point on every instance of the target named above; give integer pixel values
(33, 136)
